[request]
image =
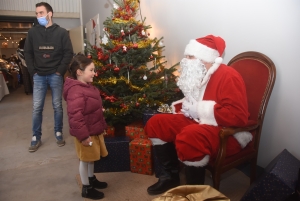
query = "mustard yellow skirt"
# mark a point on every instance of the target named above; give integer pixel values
(91, 153)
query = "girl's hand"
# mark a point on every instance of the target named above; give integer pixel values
(86, 142)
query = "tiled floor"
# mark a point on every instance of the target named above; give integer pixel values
(50, 173)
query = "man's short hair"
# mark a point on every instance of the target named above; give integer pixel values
(46, 5)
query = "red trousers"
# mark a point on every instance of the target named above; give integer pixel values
(192, 140)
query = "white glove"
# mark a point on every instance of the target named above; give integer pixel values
(184, 108)
(190, 108)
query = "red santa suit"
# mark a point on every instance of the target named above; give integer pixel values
(222, 103)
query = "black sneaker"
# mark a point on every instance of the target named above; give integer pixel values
(59, 139)
(35, 144)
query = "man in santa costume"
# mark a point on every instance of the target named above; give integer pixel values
(214, 97)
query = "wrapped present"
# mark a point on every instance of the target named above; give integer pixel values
(110, 131)
(117, 159)
(135, 130)
(165, 108)
(277, 182)
(148, 114)
(141, 156)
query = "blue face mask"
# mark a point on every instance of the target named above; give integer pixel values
(43, 21)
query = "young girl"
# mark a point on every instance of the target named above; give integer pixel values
(86, 121)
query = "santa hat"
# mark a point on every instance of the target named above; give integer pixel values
(209, 48)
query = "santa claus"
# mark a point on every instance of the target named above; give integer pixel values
(214, 97)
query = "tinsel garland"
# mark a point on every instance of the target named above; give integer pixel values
(114, 80)
(125, 110)
(141, 44)
(121, 21)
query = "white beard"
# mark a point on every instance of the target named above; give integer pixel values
(192, 72)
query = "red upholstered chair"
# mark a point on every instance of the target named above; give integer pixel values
(259, 74)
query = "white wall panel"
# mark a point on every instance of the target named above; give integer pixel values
(59, 6)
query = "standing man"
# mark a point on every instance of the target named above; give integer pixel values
(48, 52)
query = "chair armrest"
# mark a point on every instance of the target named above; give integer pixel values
(225, 133)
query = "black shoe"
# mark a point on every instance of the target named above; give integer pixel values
(97, 184)
(194, 175)
(89, 192)
(169, 177)
(162, 186)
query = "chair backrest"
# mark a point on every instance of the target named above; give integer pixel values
(259, 73)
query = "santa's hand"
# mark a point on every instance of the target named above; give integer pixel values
(192, 107)
(185, 113)
(185, 109)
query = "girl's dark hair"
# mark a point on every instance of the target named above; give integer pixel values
(79, 61)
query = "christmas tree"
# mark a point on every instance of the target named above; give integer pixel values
(130, 69)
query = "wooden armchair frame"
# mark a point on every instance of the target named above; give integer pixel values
(257, 68)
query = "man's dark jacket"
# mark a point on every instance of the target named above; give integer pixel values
(48, 50)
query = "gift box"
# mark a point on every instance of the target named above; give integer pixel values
(147, 115)
(141, 156)
(278, 181)
(110, 131)
(135, 130)
(117, 159)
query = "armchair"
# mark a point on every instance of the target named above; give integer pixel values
(259, 73)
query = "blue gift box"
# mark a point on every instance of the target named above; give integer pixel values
(118, 159)
(277, 182)
(148, 114)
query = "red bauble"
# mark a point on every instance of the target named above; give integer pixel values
(116, 69)
(135, 45)
(144, 95)
(137, 104)
(89, 56)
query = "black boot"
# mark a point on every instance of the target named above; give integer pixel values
(169, 177)
(194, 175)
(89, 192)
(97, 184)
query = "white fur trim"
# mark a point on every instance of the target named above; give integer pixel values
(157, 141)
(210, 71)
(175, 103)
(206, 112)
(201, 51)
(218, 60)
(243, 138)
(200, 163)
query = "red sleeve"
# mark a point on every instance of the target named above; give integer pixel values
(231, 108)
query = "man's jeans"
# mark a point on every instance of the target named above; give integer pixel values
(40, 87)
